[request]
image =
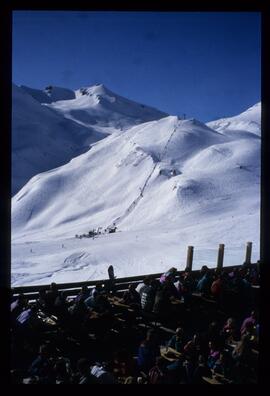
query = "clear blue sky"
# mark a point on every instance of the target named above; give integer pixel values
(204, 64)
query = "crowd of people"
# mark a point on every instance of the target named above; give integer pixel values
(156, 332)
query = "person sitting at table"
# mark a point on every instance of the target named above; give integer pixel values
(229, 331)
(252, 276)
(242, 350)
(170, 274)
(243, 360)
(187, 286)
(162, 303)
(61, 306)
(104, 373)
(177, 341)
(42, 366)
(159, 373)
(148, 351)
(78, 312)
(93, 300)
(175, 367)
(213, 332)
(205, 281)
(250, 331)
(201, 370)
(42, 301)
(102, 305)
(28, 320)
(98, 289)
(83, 294)
(214, 352)
(62, 371)
(79, 318)
(148, 295)
(188, 368)
(85, 376)
(242, 290)
(144, 285)
(222, 365)
(172, 289)
(216, 287)
(50, 298)
(17, 307)
(192, 348)
(123, 365)
(131, 296)
(251, 319)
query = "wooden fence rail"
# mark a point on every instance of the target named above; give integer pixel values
(121, 284)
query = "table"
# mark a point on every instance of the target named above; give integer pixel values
(212, 381)
(169, 353)
(116, 301)
(177, 302)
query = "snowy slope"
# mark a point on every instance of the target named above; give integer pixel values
(51, 126)
(50, 94)
(99, 106)
(248, 121)
(166, 184)
(42, 139)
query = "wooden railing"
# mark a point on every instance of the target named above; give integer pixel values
(72, 289)
(121, 284)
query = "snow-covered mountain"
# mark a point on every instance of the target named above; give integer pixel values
(166, 184)
(42, 139)
(98, 106)
(51, 126)
(248, 121)
(50, 94)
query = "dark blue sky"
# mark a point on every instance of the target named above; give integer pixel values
(204, 64)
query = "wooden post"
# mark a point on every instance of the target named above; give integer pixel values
(189, 258)
(220, 256)
(248, 253)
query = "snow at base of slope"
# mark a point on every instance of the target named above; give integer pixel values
(41, 259)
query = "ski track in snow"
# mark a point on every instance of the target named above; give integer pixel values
(142, 189)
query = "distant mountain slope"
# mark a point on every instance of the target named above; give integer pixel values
(42, 139)
(248, 121)
(102, 183)
(99, 106)
(50, 94)
(51, 126)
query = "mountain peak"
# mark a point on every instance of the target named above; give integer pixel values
(97, 89)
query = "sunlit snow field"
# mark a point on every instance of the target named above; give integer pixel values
(165, 182)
